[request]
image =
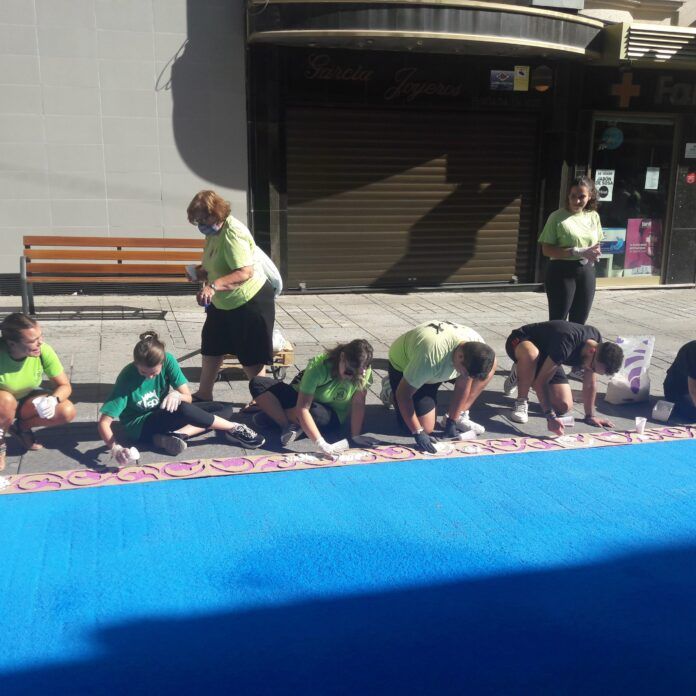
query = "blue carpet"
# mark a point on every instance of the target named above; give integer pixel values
(570, 572)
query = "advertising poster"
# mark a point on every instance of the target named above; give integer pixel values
(643, 241)
(502, 80)
(604, 181)
(614, 241)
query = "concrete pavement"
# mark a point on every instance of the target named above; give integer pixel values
(94, 337)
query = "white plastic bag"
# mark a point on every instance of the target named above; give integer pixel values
(279, 341)
(263, 262)
(631, 384)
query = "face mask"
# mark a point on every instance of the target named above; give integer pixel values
(207, 230)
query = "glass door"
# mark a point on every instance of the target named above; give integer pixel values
(631, 163)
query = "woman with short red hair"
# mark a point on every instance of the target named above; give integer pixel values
(239, 300)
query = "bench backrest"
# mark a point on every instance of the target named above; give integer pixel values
(116, 257)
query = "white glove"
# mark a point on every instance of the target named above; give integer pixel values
(125, 456)
(171, 401)
(325, 448)
(45, 406)
(365, 441)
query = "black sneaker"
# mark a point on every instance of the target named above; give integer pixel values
(244, 436)
(172, 444)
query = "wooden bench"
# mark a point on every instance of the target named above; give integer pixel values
(96, 260)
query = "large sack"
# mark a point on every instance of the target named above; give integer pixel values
(631, 384)
(270, 270)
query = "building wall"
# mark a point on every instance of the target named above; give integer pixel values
(113, 113)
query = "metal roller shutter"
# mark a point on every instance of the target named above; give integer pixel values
(396, 198)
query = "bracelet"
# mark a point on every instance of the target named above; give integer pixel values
(56, 397)
(418, 432)
(212, 287)
(550, 414)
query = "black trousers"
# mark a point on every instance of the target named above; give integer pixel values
(680, 397)
(570, 289)
(200, 414)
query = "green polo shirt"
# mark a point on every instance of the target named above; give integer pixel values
(21, 377)
(424, 354)
(318, 381)
(232, 248)
(565, 229)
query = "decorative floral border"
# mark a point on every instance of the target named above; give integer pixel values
(201, 468)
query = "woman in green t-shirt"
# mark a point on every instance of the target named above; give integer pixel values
(570, 239)
(153, 403)
(331, 388)
(24, 359)
(239, 299)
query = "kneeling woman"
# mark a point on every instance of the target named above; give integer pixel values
(153, 403)
(321, 397)
(24, 359)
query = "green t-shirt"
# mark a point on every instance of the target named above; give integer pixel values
(424, 354)
(326, 389)
(134, 398)
(565, 229)
(232, 248)
(21, 377)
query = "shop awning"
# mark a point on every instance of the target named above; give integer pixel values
(437, 26)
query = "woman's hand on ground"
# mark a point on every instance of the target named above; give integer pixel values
(364, 441)
(425, 442)
(555, 425)
(599, 422)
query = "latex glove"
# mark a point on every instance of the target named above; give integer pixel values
(451, 432)
(46, 407)
(171, 401)
(425, 442)
(326, 447)
(120, 454)
(364, 441)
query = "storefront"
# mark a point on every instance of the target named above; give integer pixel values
(641, 148)
(425, 165)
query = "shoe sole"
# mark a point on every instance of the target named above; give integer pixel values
(172, 446)
(519, 419)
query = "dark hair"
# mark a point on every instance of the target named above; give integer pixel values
(207, 204)
(589, 184)
(149, 350)
(13, 325)
(611, 356)
(358, 355)
(478, 359)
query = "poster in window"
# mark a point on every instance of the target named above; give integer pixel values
(643, 243)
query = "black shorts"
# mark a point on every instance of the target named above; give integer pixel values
(323, 415)
(514, 340)
(424, 399)
(246, 331)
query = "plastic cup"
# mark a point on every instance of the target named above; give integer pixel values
(640, 424)
(662, 410)
(191, 271)
(568, 421)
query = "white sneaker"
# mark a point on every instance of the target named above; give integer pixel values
(520, 411)
(510, 385)
(385, 394)
(465, 424)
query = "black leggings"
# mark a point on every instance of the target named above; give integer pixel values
(570, 288)
(201, 415)
(324, 416)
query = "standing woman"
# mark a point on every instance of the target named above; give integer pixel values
(570, 239)
(240, 301)
(24, 359)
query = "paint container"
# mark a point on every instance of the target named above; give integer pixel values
(662, 410)
(468, 435)
(640, 424)
(568, 421)
(133, 456)
(191, 272)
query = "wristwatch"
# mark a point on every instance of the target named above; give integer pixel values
(212, 285)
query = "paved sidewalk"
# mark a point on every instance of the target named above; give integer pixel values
(94, 337)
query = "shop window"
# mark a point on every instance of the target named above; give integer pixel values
(631, 163)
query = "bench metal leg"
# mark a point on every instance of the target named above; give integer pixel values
(27, 291)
